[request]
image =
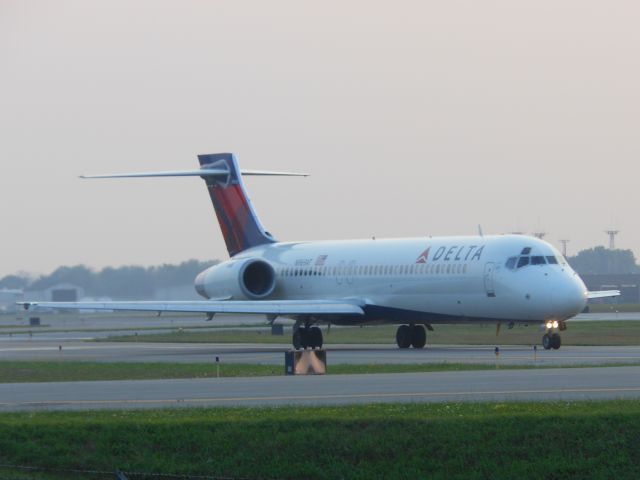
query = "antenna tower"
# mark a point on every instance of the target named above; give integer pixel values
(612, 238)
(564, 247)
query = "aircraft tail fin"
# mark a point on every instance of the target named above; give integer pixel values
(241, 227)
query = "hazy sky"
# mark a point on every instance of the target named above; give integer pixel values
(414, 118)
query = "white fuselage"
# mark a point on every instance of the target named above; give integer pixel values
(422, 280)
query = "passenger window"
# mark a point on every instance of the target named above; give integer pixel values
(464, 269)
(448, 268)
(537, 260)
(511, 263)
(523, 262)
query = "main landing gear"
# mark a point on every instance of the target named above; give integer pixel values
(411, 336)
(551, 338)
(307, 337)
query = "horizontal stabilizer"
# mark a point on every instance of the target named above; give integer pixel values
(267, 307)
(204, 172)
(603, 294)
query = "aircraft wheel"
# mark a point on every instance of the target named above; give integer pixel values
(546, 341)
(299, 339)
(315, 337)
(403, 336)
(556, 341)
(418, 336)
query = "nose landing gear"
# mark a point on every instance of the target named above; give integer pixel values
(551, 339)
(411, 335)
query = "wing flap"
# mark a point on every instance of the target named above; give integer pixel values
(267, 307)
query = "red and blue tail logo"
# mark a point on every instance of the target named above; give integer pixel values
(240, 226)
(424, 256)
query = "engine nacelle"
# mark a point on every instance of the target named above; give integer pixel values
(250, 278)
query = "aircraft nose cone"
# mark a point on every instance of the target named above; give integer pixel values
(569, 297)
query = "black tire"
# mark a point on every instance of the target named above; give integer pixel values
(315, 337)
(299, 338)
(546, 341)
(403, 336)
(556, 341)
(418, 336)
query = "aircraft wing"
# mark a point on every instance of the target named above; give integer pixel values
(267, 307)
(603, 294)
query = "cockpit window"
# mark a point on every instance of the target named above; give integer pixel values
(552, 260)
(523, 262)
(511, 263)
(538, 260)
(526, 251)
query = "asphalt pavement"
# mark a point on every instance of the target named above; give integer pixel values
(491, 385)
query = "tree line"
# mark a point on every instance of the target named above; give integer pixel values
(600, 260)
(128, 282)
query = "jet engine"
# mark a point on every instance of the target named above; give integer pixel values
(252, 279)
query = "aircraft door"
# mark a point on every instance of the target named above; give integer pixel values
(488, 279)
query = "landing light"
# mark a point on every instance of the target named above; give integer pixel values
(555, 324)
(549, 324)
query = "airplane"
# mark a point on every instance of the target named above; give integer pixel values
(411, 282)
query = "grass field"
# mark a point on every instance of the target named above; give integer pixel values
(21, 329)
(71, 371)
(612, 308)
(578, 333)
(436, 441)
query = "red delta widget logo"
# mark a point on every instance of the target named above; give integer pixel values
(454, 253)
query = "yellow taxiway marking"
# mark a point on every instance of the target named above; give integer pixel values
(315, 397)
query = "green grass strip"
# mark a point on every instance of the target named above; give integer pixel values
(610, 333)
(73, 371)
(559, 440)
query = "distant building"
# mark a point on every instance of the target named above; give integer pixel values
(628, 284)
(64, 292)
(8, 299)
